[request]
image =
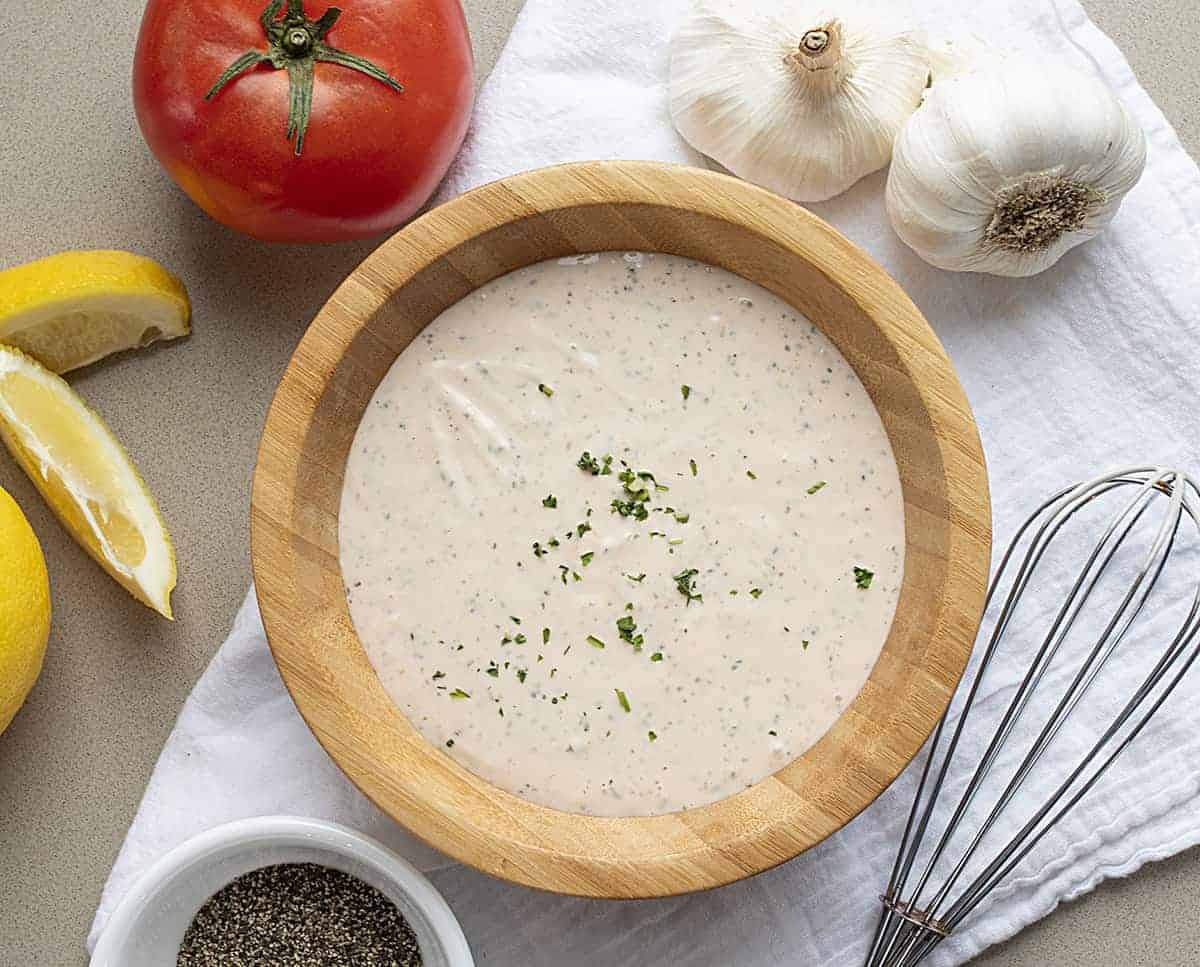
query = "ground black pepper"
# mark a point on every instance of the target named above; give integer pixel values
(298, 915)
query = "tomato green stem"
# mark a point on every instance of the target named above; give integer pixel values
(295, 43)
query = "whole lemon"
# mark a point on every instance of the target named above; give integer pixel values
(24, 608)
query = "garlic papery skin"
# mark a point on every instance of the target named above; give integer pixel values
(1005, 170)
(801, 97)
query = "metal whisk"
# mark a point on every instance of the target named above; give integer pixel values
(969, 825)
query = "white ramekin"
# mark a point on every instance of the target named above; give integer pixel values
(146, 928)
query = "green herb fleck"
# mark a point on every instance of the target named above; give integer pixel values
(437, 675)
(545, 390)
(623, 700)
(685, 390)
(657, 656)
(590, 464)
(586, 559)
(682, 518)
(630, 508)
(637, 578)
(493, 669)
(459, 693)
(804, 643)
(514, 619)
(685, 583)
(583, 528)
(577, 576)
(657, 534)
(652, 735)
(695, 469)
(538, 550)
(545, 638)
(563, 571)
(756, 592)
(751, 474)
(520, 639)
(449, 743)
(675, 541)
(521, 674)
(771, 732)
(815, 487)
(595, 642)
(549, 501)
(863, 577)
(626, 626)
(553, 542)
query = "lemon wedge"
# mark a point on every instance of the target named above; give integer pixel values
(86, 477)
(74, 308)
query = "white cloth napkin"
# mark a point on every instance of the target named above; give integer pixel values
(1094, 363)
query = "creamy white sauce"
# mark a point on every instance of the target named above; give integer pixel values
(446, 486)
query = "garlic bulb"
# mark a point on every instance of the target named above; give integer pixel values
(1005, 170)
(803, 97)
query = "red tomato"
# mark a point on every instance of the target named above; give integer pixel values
(370, 155)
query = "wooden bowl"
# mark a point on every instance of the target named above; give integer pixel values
(580, 208)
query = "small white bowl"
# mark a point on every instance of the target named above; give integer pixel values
(148, 925)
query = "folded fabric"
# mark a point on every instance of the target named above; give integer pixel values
(1092, 364)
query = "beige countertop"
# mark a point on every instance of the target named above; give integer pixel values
(75, 174)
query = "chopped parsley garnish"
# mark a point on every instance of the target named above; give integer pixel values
(586, 559)
(577, 576)
(553, 542)
(437, 675)
(756, 592)
(682, 518)
(652, 735)
(751, 474)
(626, 626)
(545, 390)
(695, 469)
(630, 508)
(815, 487)
(549, 501)
(459, 693)
(637, 578)
(514, 619)
(521, 673)
(583, 528)
(685, 390)
(675, 541)
(449, 743)
(863, 577)
(771, 732)
(563, 571)
(623, 700)
(493, 669)
(545, 638)
(685, 583)
(804, 643)
(538, 550)
(520, 639)
(657, 656)
(591, 465)
(657, 534)
(595, 642)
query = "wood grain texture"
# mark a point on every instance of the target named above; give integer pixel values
(576, 209)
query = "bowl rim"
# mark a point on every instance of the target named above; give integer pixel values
(458, 812)
(258, 831)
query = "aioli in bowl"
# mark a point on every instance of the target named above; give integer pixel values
(653, 637)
